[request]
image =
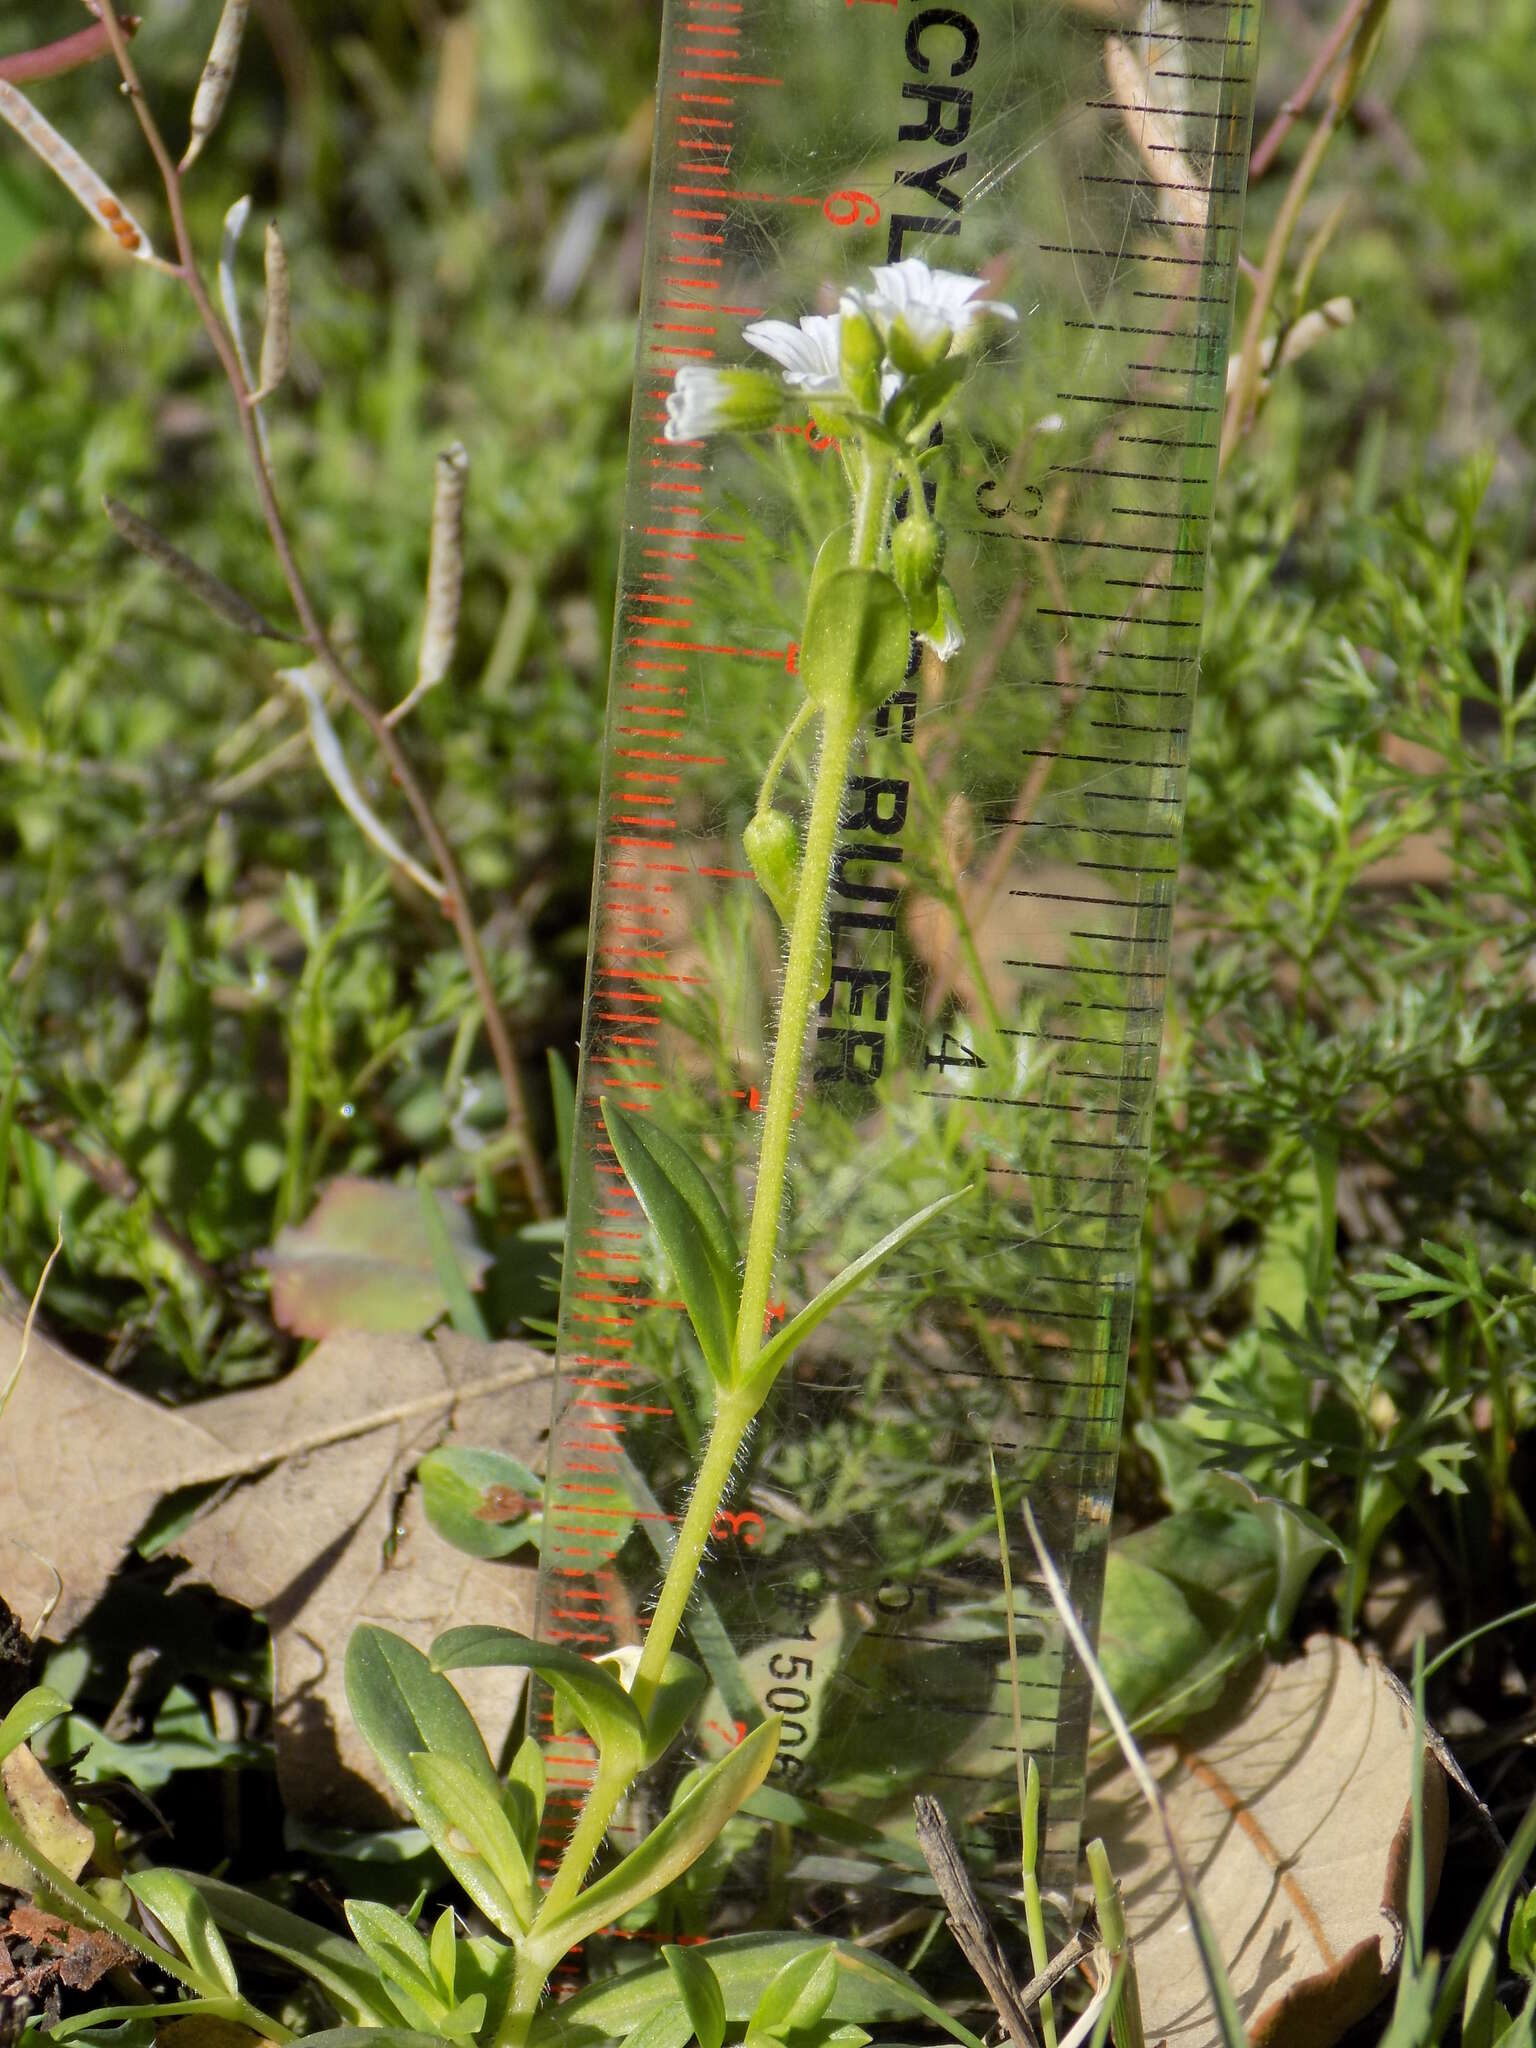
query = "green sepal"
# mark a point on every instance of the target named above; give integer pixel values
(480, 1818)
(856, 640)
(680, 1688)
(602, 1706)
(183, 1912)
(673, 1846)
(700, 1992)
(696, 1236)
(776, 1353)
(913, 410)
(772, 847)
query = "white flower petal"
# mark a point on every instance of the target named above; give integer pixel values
(928, 301)
(809, 353)
(695, 404)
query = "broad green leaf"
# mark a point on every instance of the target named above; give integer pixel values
(338, 1966)
(484, 1503)
(402, 1703)
(360, 1261)
(183, 1912)
(1184, 1602)
(403, 1706)
(481, 1821)
(681, 1688)
(442, 1943)
(594, 1695)
(668, 2027)
(34, 1710)
(868, 1989)
(671, 1847)
(856, 638)
(798, 1996)
(400, 1955)
(464, 2020)
(687, 1218)
(523, 1798)
(776, 1353)
(700, 1994)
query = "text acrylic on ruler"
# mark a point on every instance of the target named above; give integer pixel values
(993, 993)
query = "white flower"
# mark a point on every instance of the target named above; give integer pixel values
(810, 353)
(703, 401)
(930, 304)
(623, 1662)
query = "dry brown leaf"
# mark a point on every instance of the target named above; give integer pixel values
(325, 1540)
(1292, 1804)
(46, 1818)
(82, 1462)
(327, 1454)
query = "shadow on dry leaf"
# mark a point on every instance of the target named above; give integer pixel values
(1292, 1802)
(319, 1526)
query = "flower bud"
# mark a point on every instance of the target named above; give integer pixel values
(917, 556)
(913, 351)
(706, 401)
(772, 845)
(861, 353)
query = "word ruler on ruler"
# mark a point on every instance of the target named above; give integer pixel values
(992, 1001)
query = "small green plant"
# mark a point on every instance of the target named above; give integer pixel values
(878, 374)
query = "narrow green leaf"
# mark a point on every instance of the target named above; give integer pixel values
(868, 1989)
(562, 1096)
(34, 1710)
(523, 1799)
(402, 1706)
(183, 1912)
(700, 1993)
(442, 1943)
(596, 1698)
(338, 1966)
(103, 2016)
(779, 1349)
(687, 1217)
(398, 1951)
(672, 1846)
(462, 1311)
(798, 1996)
(479, 1817)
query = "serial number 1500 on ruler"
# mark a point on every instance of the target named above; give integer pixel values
(1000, 906)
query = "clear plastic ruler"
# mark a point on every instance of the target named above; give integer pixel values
(1003, 885)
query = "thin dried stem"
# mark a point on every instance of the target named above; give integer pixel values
(455, 903)
(1295, 104)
